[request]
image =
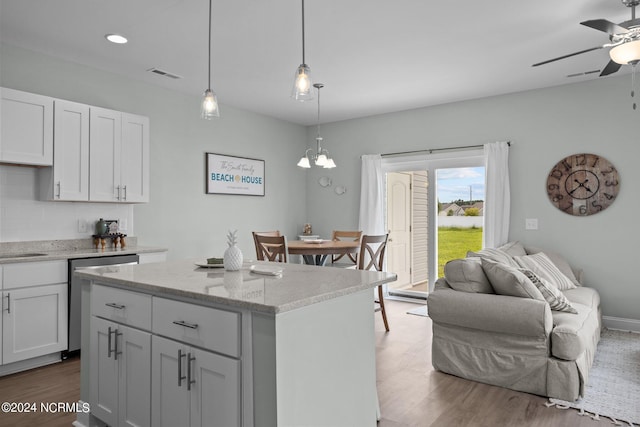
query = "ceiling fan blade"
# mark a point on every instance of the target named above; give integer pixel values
(611, 68)
(567, 56)
(604, 25)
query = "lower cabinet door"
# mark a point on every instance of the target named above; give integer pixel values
(34, 322)
(169, 394)
(104, 371)
(134, 379)
(215, 392)
(120, 374)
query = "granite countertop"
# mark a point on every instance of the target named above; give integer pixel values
(49, 250)
(298, 286)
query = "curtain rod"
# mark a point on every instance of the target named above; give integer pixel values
(432, 150)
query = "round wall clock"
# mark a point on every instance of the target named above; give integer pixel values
(583, 184)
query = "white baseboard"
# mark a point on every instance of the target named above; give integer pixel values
(621, 323)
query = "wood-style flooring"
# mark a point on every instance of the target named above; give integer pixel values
(411, 393)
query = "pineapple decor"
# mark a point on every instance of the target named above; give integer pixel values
(233, 255)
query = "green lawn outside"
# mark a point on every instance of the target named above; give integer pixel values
(454, 242)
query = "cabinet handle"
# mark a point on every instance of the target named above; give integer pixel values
(109, 350)
(9, 303)
(118, 189)
(59, 190)
(185, 324)
(115, 340)
(125, 193)
(114, 305)
(189, 380)
(180, 376)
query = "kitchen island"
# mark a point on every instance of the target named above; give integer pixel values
(175, 344)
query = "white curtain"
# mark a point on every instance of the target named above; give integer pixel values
(372, 195)
(497, 195)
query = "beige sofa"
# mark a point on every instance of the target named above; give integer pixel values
(491, 326)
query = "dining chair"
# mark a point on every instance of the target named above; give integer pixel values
(345, 235)
(371, 256)
(271, 248)
(262, 233)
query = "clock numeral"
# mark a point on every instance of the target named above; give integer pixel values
(595, 204)
(611, 183)
(581, 159)
(611, 170)
(582, 209)
(556, 173)
(609, 196)
(557, 198)
(595, 162)
(552, 187)
(568, 209)
(566, 164)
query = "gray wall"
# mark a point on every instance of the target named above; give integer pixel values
(180, 215)
(544, 126)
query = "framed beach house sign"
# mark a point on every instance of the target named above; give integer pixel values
(234, 175)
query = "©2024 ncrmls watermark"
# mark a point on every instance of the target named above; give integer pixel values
(45, 407)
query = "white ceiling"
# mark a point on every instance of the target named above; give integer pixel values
(374, 56)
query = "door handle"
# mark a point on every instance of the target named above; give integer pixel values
(180, 376)
(185, 324)
(8, 303)
(116, 334)
(109, 350)
(125, 193)
(189, 380)
(114, 305)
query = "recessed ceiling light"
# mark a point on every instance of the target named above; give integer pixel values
(116, 38)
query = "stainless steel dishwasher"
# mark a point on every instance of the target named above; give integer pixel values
(75, 290)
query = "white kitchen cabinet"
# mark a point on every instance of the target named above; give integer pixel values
(26, 128)
(119, 157)
(34, 309)
(193, 387)
(34, 322)
(121, 374)
(68, 179)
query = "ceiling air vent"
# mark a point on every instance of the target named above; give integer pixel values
(164, 73)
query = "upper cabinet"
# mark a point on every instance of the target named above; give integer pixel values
(26, 128)
(119, 157)
(100, 155)
(68, 179)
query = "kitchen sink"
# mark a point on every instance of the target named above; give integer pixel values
(27, 255)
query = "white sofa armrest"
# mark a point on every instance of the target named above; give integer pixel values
(491, 312)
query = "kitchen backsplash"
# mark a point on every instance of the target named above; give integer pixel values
(23, 217)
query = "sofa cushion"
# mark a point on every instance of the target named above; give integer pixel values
(556, 299)
(544, 268)
(585, 296)
(495, 255)
(467, 275)
(559, 261)
(574, 333)
(513, 249)
(507, 280)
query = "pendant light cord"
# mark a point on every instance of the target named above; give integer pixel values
(303, 32)
(318, 123)
(209, 85)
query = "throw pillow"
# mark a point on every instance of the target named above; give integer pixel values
(507, 280)
(559, 261)
(467, 275)
(556, 299)
(495, 255)
(544, 268)
(513, 249)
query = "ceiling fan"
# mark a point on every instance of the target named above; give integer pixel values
(625, 41)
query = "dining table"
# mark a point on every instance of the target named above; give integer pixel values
(315, 252)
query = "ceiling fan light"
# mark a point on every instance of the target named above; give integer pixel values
(209, 108)
(302, 86)
(626, 53)
(304, 162)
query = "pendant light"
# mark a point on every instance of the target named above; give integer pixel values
(321, 156)
(209, 108)
(302, 84)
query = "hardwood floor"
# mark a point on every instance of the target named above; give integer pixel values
(411, 393)
(50, 384)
